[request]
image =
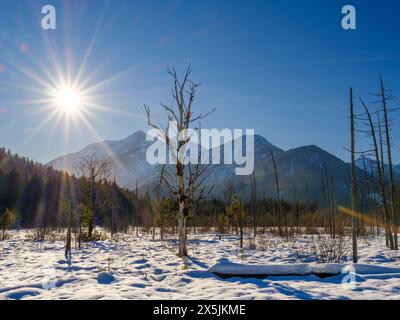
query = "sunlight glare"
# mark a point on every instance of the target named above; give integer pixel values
(68, 100)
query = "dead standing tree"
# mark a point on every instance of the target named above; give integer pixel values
(368, 190)
(69, 228)
(278, 193)
(93, 171)
(253, 185)
(381, 178)
(353, 178)
(114, 208)
(181, 183)
(384, 97)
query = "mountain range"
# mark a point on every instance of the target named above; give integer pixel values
(370, 164)
(300, 169)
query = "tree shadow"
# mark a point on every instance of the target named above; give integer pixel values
(290, 291)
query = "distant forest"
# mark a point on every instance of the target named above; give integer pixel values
(40, 195)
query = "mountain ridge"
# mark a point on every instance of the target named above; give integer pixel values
(298, 168)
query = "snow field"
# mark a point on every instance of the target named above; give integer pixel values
(141, 268)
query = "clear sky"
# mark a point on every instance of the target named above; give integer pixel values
(280, 67)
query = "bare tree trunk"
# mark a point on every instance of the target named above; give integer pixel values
(278, 194)
(375, 200)
(353, 178)
(182, 230)
(137, 223)
(253, 202)
(113, 209)
(92, 209)
(297, 209)
(382, 168)
(333, 206)
(369, 202)
(79, 228)
(386, 213)
(325, 196)
(390, 164)
(241, 236)
(68, 239)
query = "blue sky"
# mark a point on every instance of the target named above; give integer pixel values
(280, 67)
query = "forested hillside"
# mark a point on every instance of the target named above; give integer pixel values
(40, 196)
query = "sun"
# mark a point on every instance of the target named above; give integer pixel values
(68, 100)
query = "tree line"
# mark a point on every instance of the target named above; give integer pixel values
(37, 196)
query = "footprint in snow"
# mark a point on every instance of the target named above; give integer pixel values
(139, 261)
(186, 280)
(158, 271)
(105, 278)
(158, 278)
(138, 285)
(17, 295)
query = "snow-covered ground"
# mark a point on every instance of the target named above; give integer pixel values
(142, 268)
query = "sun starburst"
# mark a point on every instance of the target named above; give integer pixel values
(68, 100)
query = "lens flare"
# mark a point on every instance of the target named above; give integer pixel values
(68, 100)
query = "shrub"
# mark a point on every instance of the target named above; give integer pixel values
(222, 223)
(330, 250)
(7, 220)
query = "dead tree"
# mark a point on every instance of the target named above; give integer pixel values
(381, 178)
(69, 228)
(297, 208)
(179, 181)
(382, 168)
(324, 195)
(333, 207)
(353, 177)
(137, 210)
(114, 208)
(368, 190)
(374, 199)
(253, 202)
(384, 97)
(79, 226)
(278, 193)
